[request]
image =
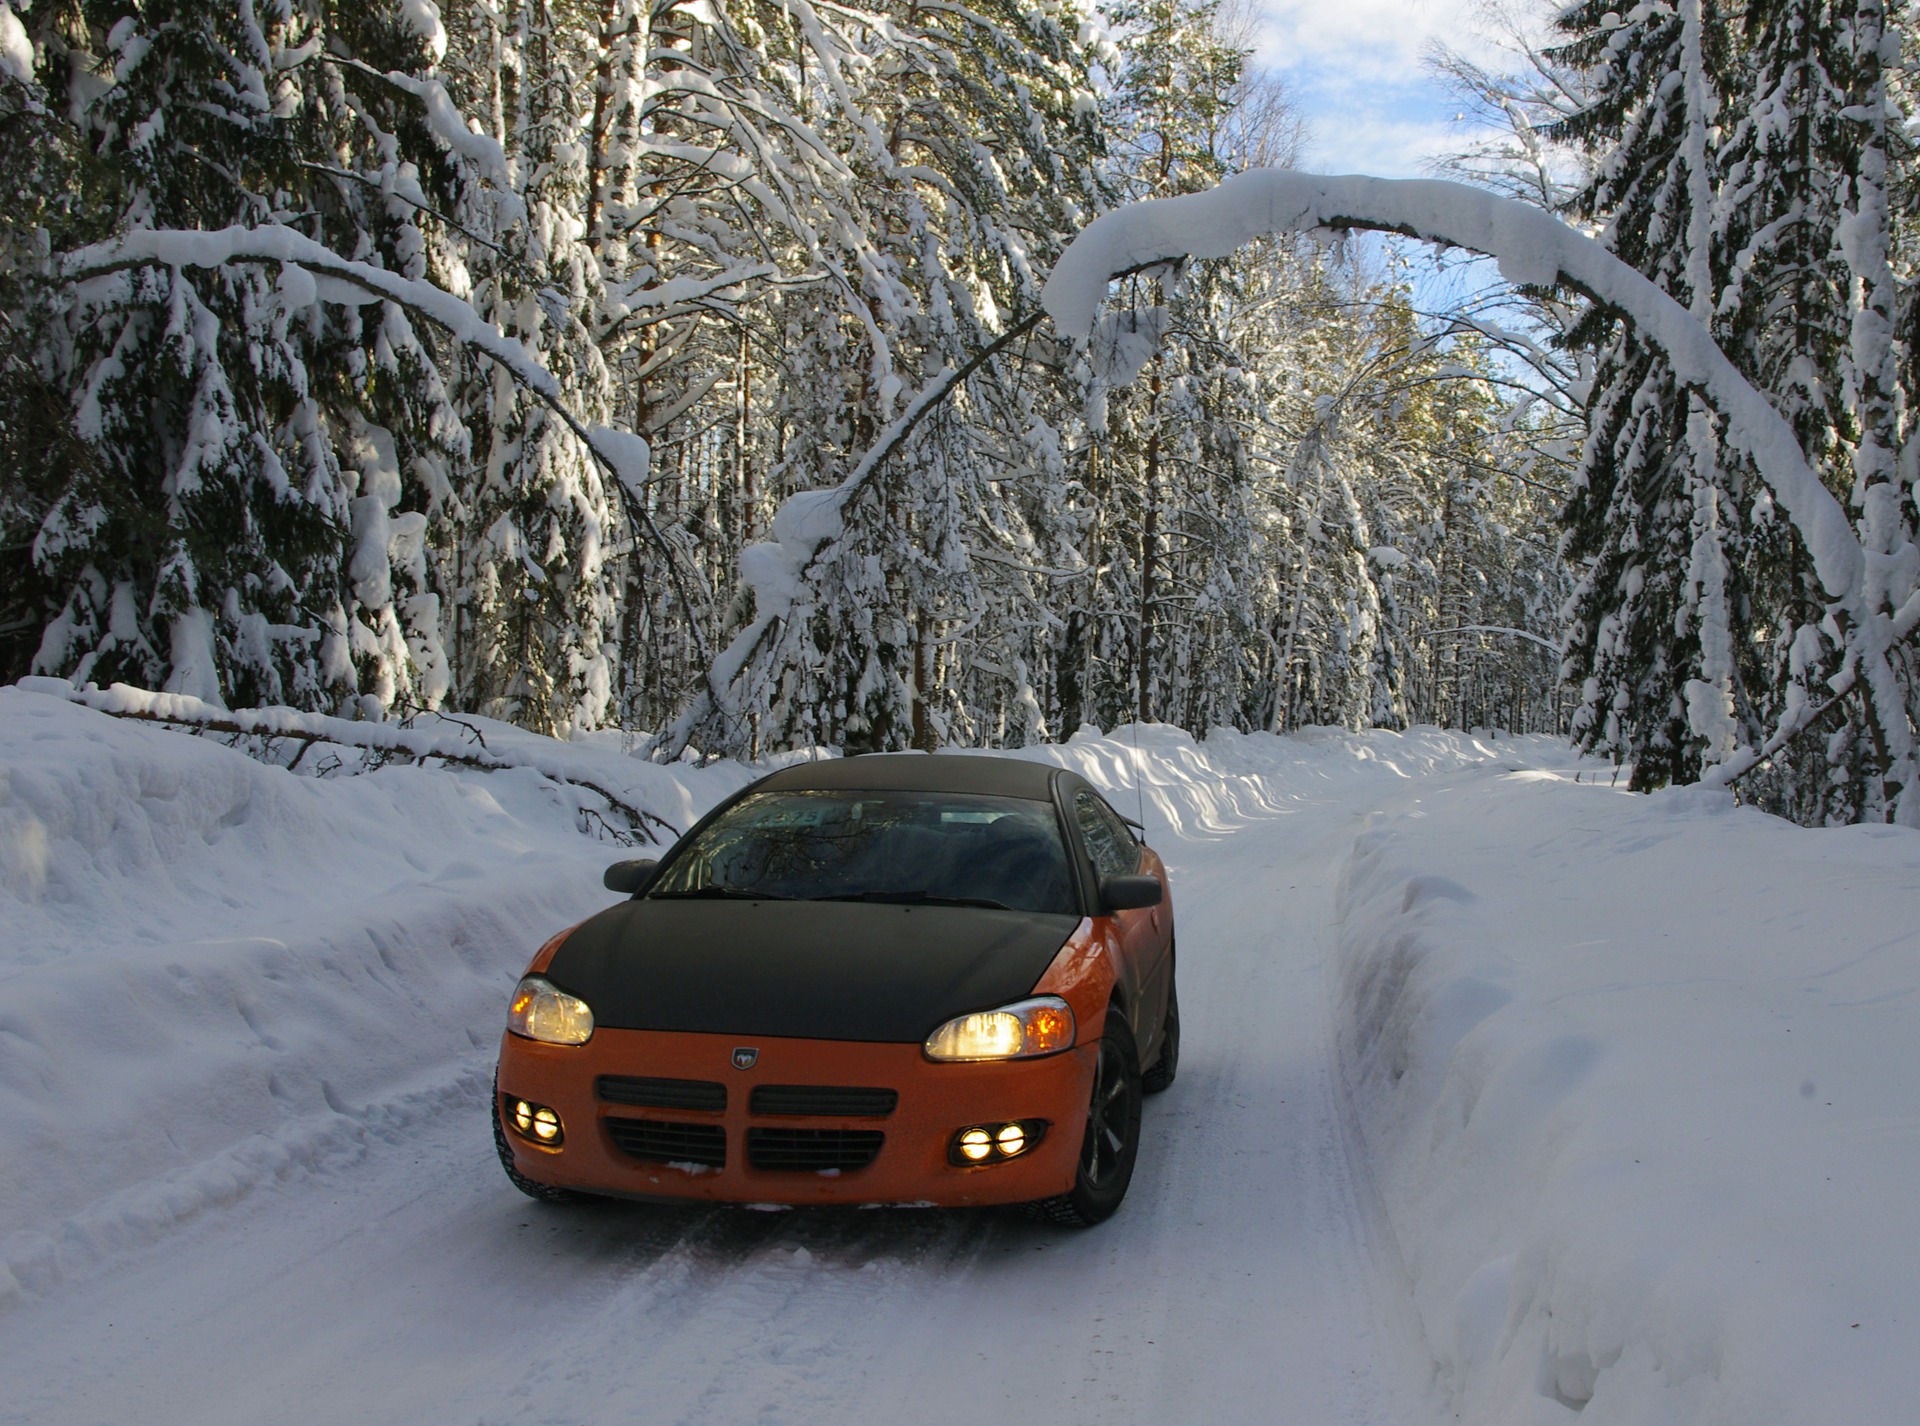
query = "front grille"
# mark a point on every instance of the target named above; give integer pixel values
(662, 1093)
(829, 1101)
(659, 1143)
(802, 1150)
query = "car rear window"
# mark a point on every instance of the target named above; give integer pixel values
(910, 847)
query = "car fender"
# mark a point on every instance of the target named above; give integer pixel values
(1086, 974)
(543, 957)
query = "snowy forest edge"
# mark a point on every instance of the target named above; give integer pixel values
(655, 366)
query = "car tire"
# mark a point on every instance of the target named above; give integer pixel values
(1112, 1139)
(1153, 1080)
(544, 1192)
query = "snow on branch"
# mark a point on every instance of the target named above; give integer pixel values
(338, 279)
(1503, 631)
(805, 528)
(378, 743)
(1532, 248)
(450, 127)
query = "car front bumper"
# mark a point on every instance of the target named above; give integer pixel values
(912, 1163)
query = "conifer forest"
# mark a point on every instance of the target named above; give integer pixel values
(482, 355)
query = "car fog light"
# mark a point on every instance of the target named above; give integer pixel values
(995, 1143)
(535, 1122)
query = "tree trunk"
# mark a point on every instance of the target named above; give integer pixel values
(1149, 547)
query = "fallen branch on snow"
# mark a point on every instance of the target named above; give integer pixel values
(383, 742)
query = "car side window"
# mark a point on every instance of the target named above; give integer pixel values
(1108, 841)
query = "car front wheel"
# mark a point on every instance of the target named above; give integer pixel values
(1112, 1139)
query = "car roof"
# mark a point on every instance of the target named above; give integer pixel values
(919, 772)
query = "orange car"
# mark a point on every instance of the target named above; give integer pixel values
(906, 979)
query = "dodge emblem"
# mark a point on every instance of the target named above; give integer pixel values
(744, 1057)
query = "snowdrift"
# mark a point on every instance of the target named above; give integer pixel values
(1637, 1076)
(212, 970)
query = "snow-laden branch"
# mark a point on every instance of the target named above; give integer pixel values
(449, 126)
(1504, 630)
(311, 270)
(1532, 248)
(1535, 249)
(680, 291)
(805, 527)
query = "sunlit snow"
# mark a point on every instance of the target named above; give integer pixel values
(1506, 1094)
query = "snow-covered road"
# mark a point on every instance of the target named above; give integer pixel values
(397, 1277)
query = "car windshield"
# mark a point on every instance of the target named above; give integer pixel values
(943, 848)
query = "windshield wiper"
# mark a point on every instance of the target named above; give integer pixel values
(719, 893)
(916, 898)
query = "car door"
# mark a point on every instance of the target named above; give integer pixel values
(1144, 933)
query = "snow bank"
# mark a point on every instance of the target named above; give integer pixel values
(650, 798)
(211, 969)
(1205, 790)
(1639, 1079)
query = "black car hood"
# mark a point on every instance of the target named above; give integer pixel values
(821, 970)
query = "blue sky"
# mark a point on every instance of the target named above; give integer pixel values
(1353, 68)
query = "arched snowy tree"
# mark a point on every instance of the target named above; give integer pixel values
(1869, 614)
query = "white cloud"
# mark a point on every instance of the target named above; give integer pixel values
(1378, 144)
(1355, 71)
(1365, 41)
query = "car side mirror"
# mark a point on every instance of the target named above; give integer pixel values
(1130, 893)
(629, 877)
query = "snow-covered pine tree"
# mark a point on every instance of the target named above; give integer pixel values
(1783, 320)
(1656, 518)
(55, 194)
(212, 543)
(1470, 575)
(1354, 506)
(981, 159)
(533, 523)
(1884, 761)
(1803, 251)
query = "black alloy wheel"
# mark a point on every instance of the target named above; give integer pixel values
(1168, 1065)
(544, 1192)
(1112, 1140)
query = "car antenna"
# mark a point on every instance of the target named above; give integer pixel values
(1139, 796)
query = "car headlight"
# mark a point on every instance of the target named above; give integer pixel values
(542, 1011)
(1041, 1026)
